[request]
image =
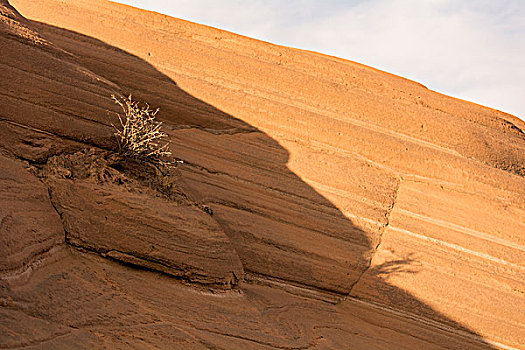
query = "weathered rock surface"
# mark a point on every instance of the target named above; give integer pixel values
(351, 208)
(29, 227)
(107, 212)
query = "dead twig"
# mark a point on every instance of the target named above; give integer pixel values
(140, 136)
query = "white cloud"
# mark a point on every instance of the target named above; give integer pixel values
(472, 49)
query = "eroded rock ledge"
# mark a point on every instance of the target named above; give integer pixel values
(138, 216)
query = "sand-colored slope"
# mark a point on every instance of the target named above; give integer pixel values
(327, 179)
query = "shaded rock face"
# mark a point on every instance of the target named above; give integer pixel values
(321, 204)
(155, 227)
(29, 226)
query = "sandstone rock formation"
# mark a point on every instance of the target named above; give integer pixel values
(351, 208)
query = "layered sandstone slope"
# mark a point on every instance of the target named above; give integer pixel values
(344, 200)
(51, 104)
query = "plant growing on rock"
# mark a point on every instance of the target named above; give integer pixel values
(140, 136)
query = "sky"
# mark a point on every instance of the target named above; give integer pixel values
(470, 49)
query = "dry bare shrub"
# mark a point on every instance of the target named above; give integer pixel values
(141, 136)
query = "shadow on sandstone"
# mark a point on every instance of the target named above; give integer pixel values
(281, 229)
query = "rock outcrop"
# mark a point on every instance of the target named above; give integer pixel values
(320, 204)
